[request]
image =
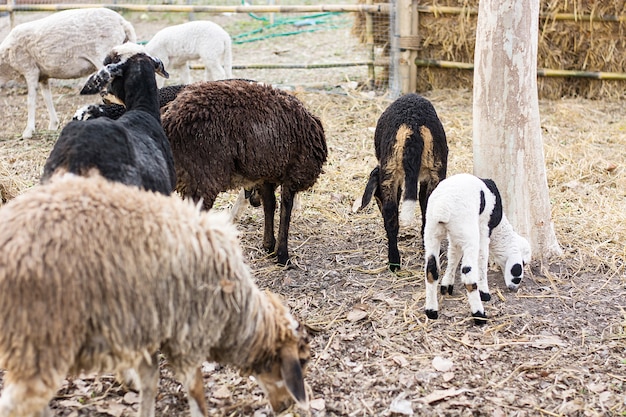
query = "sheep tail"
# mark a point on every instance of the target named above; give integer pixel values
(129, 30)
(370, 188)
(228, 58)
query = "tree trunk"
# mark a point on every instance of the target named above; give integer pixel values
(507, 142)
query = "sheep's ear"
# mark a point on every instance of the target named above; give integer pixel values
(292, 374)
(96, 82)
(159, 68)
(101, 79)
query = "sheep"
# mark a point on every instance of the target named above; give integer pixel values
(468, 211)
(236, 133)
(132, 149)
(98, 276)
(201, 39)
(64, 45)
(411, 147)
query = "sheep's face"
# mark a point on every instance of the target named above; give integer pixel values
(115, 65)
(514, 268)
(283, 379)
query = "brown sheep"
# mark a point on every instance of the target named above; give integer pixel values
(237, 133)
(100, 276)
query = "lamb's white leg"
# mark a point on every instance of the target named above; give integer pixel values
(213, 71)
(433, 235)
(454, 257)
(47, 98)
(239, 206)
(469, 277)
(186, 74)
(483, 259)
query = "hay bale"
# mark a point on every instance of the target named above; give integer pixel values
(563, 45)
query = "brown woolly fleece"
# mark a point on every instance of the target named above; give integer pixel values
(96, 275)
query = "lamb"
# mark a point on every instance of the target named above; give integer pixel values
(468, 211)
(411, 147)
(98, 276)
(64, 45)
(236, 133)
(201, 39)
(132, 149)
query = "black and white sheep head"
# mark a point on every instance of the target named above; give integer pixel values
(518, 255)
(115, 64)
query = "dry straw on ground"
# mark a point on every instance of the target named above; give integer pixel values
(573, 44)
(555, 348)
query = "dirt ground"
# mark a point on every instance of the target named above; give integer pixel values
(557, 347)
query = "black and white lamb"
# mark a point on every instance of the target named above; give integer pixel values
(236, 133)
(411, 148)
(99, 276)
(468, 211)
(132, 149)
(64, 45)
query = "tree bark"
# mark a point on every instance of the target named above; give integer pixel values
(507, 141)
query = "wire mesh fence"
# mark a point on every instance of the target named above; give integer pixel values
(276, 41)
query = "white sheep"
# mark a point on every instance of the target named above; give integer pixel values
(64, 45)
(96, 275)
(468, 211)
(204, 40)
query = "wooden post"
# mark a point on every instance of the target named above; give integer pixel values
(369, 36)
(408, 19)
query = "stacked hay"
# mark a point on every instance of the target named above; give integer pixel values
(577, 44)
(10, 185)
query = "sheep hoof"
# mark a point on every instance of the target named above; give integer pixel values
(393, 267)
(446, 289)
(480, 318)
(485, 296)
(431, 314)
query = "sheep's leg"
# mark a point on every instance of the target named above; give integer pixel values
(239, 206)
(27, 398)
(483, 259)
(469, 276)
(47, 98)
(390, 219)
(432, 245)
(32, 81)
(186, 74)
(213, 71)
(454, 257)
(148, 371)
(266, 190)
(286, 206)
(194, 384)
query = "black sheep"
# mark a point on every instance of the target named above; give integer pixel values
(132, 149)
(411, 148)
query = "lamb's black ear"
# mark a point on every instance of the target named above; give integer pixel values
(159, 68)
(98, 81)
(370, 188)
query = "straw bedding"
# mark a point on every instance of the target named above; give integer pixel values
(557, 347)
(554, 348)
